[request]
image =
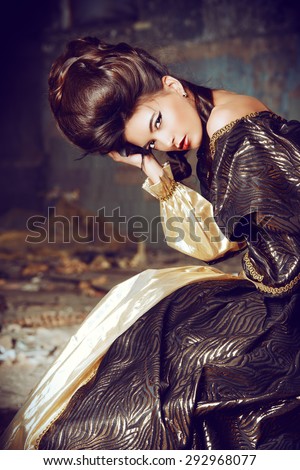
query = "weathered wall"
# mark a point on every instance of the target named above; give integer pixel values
(249, 47)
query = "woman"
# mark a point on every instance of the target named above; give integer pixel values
(181, 358)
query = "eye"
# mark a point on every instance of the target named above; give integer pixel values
(157, 124)
(158, 121)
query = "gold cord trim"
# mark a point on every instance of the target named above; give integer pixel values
(251, 268)
(268, 289)
(229, 126)
(40, 437)
(171, 191)
(279, 290)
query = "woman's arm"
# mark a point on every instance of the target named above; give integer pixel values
(188, 222)
(187, 217)
(147, 163)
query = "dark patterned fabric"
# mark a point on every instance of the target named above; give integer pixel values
(255, 192)
(214, 365)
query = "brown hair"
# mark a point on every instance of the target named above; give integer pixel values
(94, 88)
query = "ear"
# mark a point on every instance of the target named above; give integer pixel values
(172, 84)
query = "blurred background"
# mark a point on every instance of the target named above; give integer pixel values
(52, 279)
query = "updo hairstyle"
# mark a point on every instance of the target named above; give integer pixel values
(95, 87)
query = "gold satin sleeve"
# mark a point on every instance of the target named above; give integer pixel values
(188, 221)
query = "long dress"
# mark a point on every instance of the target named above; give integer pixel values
(193, 358)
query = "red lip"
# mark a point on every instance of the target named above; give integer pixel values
(184, 144)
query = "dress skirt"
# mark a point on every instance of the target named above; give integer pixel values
(214, 365)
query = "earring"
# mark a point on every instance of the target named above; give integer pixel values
(184, 95)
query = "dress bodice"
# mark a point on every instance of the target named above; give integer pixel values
(255, 193)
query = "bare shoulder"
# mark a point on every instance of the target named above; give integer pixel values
(231, 107)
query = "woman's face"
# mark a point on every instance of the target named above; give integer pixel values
(167, 121)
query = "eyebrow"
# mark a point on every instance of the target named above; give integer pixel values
(151, 121)
(151, 129)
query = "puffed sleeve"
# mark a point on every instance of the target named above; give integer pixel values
(188, 221)
(256, 197)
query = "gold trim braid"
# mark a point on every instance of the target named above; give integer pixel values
(268, 289)
(279, 290)
(171, 191)
(251, 268)
(229, 126)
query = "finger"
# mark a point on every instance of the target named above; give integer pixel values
(114, 155)
(135, 159)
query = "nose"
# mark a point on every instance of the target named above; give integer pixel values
(166, 140)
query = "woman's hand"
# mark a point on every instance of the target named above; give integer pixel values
(148, 163)
(135, 160)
